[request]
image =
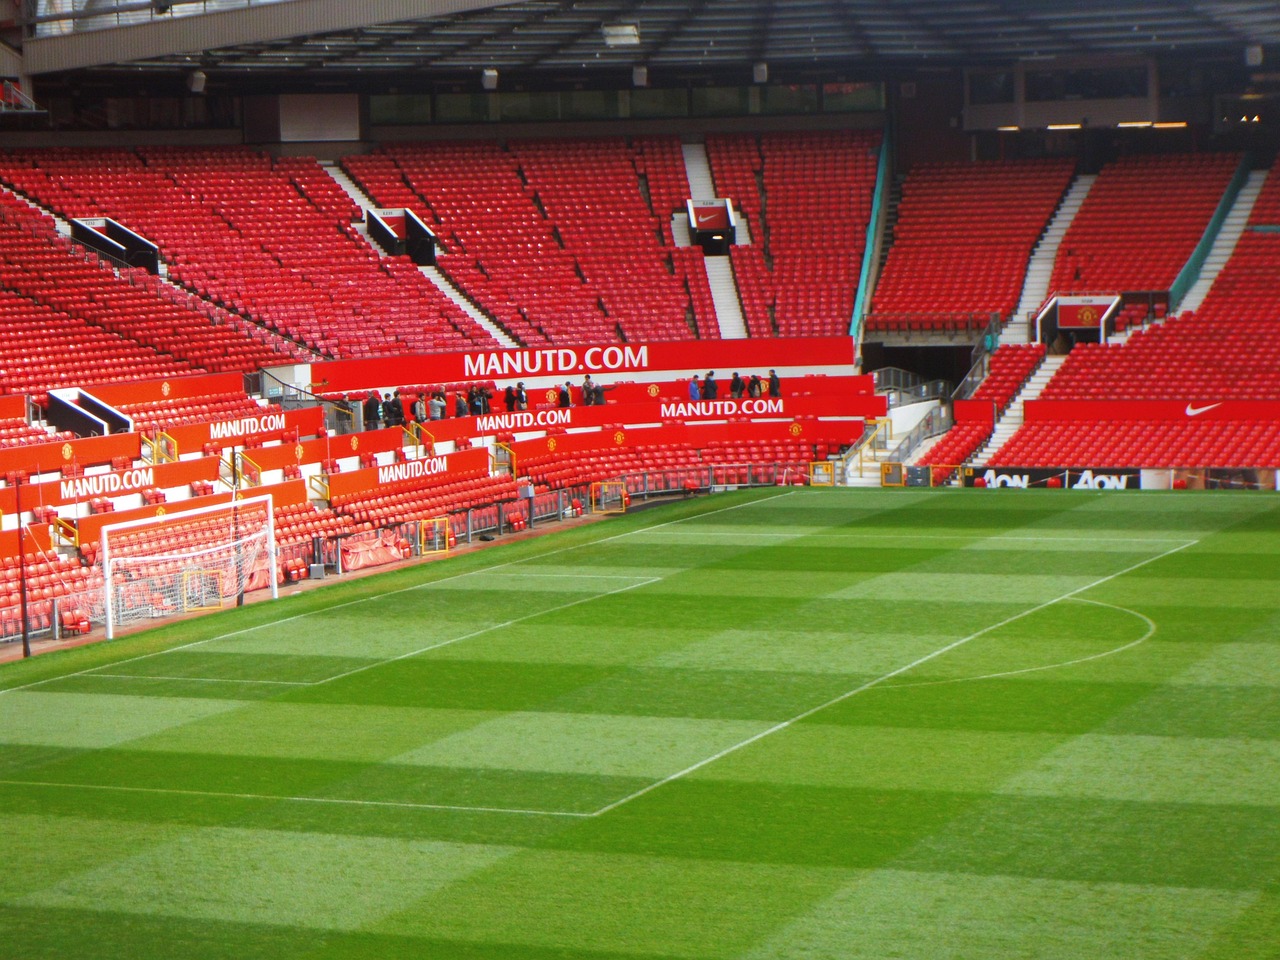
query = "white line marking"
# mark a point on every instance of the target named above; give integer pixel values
(484, 630)
(327, 800)
(977, 538)
(1151, 631)
(392, 593)
(151, 676)
(778, 727)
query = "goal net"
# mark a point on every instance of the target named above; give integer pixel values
(609, 496)
(200, 559)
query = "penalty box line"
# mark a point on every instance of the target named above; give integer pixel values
(898, 671)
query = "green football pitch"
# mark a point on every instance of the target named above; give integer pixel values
(777, 725)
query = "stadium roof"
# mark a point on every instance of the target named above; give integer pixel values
(444, 38)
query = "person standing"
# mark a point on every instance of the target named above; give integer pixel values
(393, 410)
(522, 397)
(709, 386)
(564, 399)
(588, 391)
(509, 398)
(460, 404)
(372, 410)
(754, 386)
(435, 406)
(737, 387)
(775, 384)
(695, 390)
(420, 409)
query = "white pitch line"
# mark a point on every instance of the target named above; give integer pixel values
(325, 800)
(392, 593)
(1151, 632)
(778, 727)
(976, 538)
(484, 630)
(153, 676)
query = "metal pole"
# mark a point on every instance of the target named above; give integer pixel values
(22, 568)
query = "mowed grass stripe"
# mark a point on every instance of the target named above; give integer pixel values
(910, 804)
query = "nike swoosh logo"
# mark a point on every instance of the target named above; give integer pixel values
(1194, 411)
(703, 218)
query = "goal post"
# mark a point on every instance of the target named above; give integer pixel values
(183, 562)
(609, 496)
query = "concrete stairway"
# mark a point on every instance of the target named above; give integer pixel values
(1225, 243)
(724, 295)
(1040, 267)
(360, 198)
(1011, 420)
(698, 169)
(449, 290)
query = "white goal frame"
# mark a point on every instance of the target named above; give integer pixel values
(192, 560)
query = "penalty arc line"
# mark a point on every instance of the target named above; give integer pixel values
(389, 593)
(1151, 632)
(898, 671)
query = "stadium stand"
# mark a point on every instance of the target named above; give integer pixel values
(806, 198)
(1140, 223)
(560, 241)
(263, 238)
(963, 236)
(1152, 444)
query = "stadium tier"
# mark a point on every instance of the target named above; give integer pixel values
(1140, 223)
(1227, 444)
(1010, 366)
(963, 235)
(806, 198)
(266, 239)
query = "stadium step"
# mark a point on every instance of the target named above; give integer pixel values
(1035, 288)
(1011, 419)
(698, 169)
(1225, 243)
(724, 295)
(470, 309)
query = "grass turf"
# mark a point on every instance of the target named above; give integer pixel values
(786, 724)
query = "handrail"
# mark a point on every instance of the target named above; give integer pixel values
(934, 423)
(247, 475)
(510, 453)
(875, 240)
(1190, 271)
(933, 390)
(875, 433)
(890, 378)
(161, 448)
(319, 485)
(67, 530)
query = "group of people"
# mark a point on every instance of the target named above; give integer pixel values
(753, 386)
(592, 393)
(390, 410)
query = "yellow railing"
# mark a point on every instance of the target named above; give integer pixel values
(67, 531)
(510, 453)
(319, 486)
(159, 449)
(251, 477)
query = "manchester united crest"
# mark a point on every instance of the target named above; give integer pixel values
(796, 429)
(165, 389)
(67, 451)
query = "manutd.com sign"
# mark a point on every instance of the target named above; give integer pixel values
(510, 363)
